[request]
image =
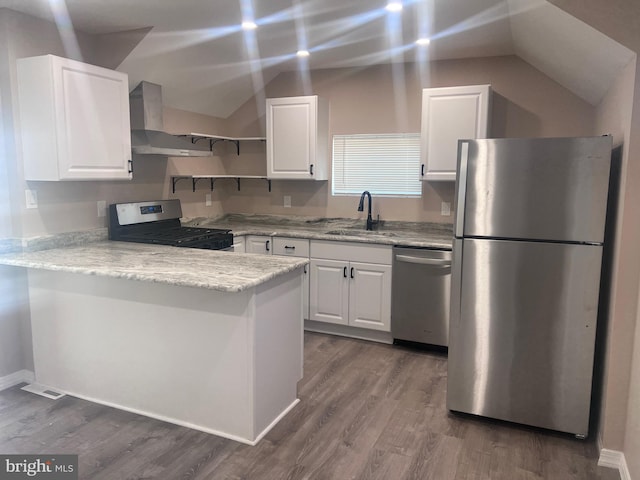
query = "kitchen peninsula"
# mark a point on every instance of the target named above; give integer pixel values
(205, 339)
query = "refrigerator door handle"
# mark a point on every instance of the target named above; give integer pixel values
(463, 154)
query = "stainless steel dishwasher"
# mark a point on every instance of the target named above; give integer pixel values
(420, 295)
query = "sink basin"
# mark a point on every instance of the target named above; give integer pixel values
(359, 232)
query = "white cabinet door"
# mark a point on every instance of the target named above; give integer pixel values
(258, 244)
(297, 138)
(329, 293)
(450, 114)
(370, 296)
(239, 243)
(74, 120)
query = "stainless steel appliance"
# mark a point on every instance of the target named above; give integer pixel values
(529, 232)
(147, 129)
(420, 295)
(158, 222)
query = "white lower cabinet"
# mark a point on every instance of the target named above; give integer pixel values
(370, 296)
(353, 293)
(258, 244)
(329, 295)
(296, 247)
(239, 243)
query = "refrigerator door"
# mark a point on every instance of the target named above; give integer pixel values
(522, 335)
(544, 189)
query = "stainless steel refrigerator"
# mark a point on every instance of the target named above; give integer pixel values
(529, 233)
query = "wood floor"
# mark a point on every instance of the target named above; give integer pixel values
(367, 411)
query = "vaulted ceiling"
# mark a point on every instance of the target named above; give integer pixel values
(207, 63)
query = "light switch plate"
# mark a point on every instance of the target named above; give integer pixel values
(445, 209)
(31, 198)
(207, 200)
(287, 201)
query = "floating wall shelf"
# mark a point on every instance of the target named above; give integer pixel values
(213, 139)
(212, 178)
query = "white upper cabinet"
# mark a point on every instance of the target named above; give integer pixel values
(74, 120)
(297, 138)
(450, 114)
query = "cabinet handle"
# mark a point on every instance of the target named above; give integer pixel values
(305, 269)
(422, 170)
(130, 162)
(266, 244)
(352, 273)
(287, 247)
(311, 169)
(344, 272)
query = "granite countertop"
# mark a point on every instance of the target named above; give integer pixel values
(89, 253)
(191, 267)
(397, 233)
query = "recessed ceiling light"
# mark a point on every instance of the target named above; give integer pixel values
(302, 53)
(394, 6)
(423, 41)
(249, 25)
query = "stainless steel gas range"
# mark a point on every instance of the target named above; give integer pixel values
(158, 222)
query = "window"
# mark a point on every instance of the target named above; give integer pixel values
(385, 164)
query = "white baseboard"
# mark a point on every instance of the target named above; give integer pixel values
(614, 459)
(15, 378)
(347, 331)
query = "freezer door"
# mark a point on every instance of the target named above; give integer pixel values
(522, 333)
(545, 189)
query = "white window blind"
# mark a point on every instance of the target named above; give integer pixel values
(384, 164)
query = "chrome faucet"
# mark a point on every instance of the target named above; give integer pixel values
(370, 222)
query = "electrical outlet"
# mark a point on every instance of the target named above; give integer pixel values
(31, 198)
(287, 201)
(102, 208)
(207, 200)
(445, 209)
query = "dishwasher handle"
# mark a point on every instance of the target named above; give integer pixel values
(436, 262)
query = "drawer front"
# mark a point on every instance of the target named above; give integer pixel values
(351, 252)
(291, 247)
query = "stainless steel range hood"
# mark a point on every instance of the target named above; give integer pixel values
(147, 133)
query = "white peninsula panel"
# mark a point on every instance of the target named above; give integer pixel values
(225, 360)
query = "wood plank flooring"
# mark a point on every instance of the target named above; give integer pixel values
(367, 411)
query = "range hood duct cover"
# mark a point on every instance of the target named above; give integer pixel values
(147, 132)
